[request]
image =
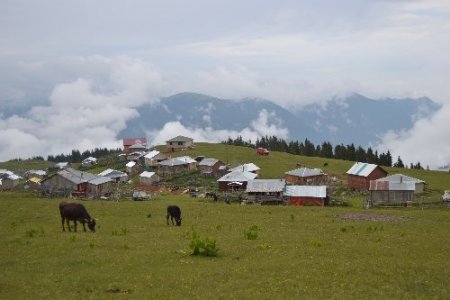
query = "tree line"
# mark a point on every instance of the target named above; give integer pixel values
(76, 156)
(326, 150)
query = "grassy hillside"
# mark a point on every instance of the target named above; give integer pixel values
(298, 252)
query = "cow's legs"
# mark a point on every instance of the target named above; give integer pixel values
(62, 220)
(167, 218)
(75, 221)
(84, 228)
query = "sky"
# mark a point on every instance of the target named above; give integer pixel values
(73, 72)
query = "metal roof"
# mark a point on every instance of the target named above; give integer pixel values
(100, 180)
(177, 161)
(305, 172)
(76, 176)
(377, 185)
(208, 162)
(180, 138)
(362, 169)
(238, 176)
(265, 185)
(112, 173)
(316, 191)
(151, 154)
(147, 174)
(400, 178)
(250, 167)
(131, 164)
(132, 141)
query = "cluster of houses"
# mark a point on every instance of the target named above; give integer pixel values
(301, 186)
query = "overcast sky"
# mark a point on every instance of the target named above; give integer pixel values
(80, 67)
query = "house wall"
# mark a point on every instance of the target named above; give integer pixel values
(224, 187)
(149, 180)
(311, 180)
(260, 197)
(391, 196)
(362, 183)
(97, 191)
(420, 188)
(8, 183)
(306, 201)
(176, 146)
(166, 171)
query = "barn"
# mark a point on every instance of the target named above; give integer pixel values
(420, 185)
(265, 191)
(360, 175)
(306, 195)
(235, 181)
(390, 193)
(306, 176)
(148, 178)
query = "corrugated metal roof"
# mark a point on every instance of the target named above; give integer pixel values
(316, 191)
(147, 174)
(112, 173)
(100, 180)
(362, 169)
(130, 164)
(305, 172)
(76, 176)
(377, 185)
(400, 178)
(180, 138)
(208, 162)
(250, 167)
(176, 161)
(151, 154)
(265, 185)
(238, 176)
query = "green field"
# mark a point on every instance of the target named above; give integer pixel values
(299, 252)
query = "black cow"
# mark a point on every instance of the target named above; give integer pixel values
(71, 211)
(174, 212)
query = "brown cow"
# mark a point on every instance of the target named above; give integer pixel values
(71, 211)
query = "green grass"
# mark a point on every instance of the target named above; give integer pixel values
(299, 252)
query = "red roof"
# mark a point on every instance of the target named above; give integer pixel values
(132, 141)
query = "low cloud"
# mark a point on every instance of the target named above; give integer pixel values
(427, 142)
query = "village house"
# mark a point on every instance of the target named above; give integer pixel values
(8, 179)
(89, 161)
(135, 143)
(265, 191)
(306, 176)
(390, 193)
(152, 158)
(210, 166)
(360, 175)
(177, 165)
(179, 143)
(420, 185)
(71, 182)
(41, 174)
(149, 178)
(235, 181)
(306, 195)
(132, 167)
(114, 175)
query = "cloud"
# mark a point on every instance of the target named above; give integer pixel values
(427, 142)
(266, 124)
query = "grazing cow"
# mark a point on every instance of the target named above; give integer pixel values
(174, 212)
(71, 211)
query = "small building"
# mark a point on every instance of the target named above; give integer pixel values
(41, 174)
(179, 143)
(306, 195)
(249, 167)
(152, 158)
(177, 165)
(132, 167)
(235, 181)
(265, 191)
(128, 142)
(390, 193)
(210, 166)
(400, 178)
(360, 175)
(33, 183)
(8, 180)
(149, 178)
(89, 161)
(306, 176)
(62, 165)
(114, 175)
(135, 156)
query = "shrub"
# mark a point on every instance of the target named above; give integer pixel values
(203, 246)
(251, 233)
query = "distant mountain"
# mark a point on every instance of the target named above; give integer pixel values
(355, 119)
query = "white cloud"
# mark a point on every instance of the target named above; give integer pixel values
(427, 142)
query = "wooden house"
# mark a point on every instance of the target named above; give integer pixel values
(265, 191)
(132, 167)
(306, 176)
(210, 166)
(235, 181)
(306, 195)
(390, 193)
(152, 158)
(179, 143)
(177, 165)
(114, 175)
(149, 178)
(128, 142)
(360, 175)
(8, 180)
(420, 185)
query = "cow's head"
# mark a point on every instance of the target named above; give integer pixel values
(91, 224)
(178, 221)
